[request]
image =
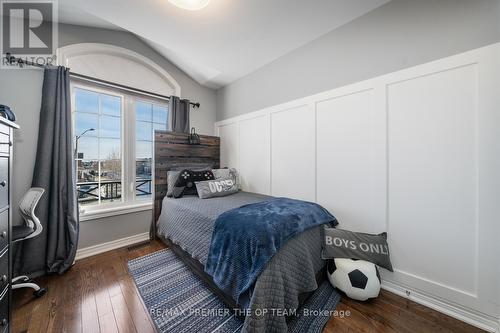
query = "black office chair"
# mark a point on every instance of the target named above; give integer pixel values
(31, 228)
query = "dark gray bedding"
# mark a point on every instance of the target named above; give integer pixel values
(188, 222)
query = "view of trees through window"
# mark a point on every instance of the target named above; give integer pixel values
(99, 138)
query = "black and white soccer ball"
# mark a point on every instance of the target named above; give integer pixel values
(358, 279)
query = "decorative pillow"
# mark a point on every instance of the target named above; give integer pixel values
(174, 172)
(225, 173)
(216, 188)
(187, 178)
(171, 179)
(338, 243)
(358, 279)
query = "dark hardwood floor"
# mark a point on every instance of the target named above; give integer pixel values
(98, 295)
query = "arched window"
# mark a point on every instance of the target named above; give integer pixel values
(114, 128)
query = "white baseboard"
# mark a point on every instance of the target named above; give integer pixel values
(471, 317)
(108, 246)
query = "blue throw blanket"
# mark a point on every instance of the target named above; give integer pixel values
(246, 238)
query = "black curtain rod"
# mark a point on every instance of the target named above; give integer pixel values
(21, 62)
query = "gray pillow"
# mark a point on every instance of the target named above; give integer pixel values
(225, 173)
(216, 188)
(338, 243)
(171, 179)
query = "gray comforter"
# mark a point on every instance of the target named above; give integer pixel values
(188, 222)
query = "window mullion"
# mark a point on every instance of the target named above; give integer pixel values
(125, 155)
(99, 151)
(129, 141)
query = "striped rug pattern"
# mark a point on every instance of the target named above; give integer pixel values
(178, 301)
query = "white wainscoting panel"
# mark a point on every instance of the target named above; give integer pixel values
(292, 153)
(415, 153)
(350, 146)
(433, 178)
(229, 152)
(255, 158)
(489, 179)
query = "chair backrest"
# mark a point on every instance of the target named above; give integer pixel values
(27, 207)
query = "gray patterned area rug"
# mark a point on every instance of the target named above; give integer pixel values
(178, 301)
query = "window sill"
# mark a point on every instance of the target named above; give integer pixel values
(95, 214)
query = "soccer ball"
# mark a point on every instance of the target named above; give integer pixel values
(358, 279)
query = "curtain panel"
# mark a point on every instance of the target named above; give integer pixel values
(54, 250)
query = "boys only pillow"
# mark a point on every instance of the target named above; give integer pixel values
(338, 243)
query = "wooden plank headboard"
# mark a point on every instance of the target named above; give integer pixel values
(173, 152)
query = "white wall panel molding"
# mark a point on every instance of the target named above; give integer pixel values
(432, 122)
(293, 152)
(255, 154)
(415, 153)
(351, 172)
(229, 147)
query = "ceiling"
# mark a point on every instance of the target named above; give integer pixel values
(226, 40)
(72, 14)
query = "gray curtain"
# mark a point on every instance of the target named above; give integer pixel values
(178, 110)
(53, 251)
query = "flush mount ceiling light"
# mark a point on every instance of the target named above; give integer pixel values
(190, 4)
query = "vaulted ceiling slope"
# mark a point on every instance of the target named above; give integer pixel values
(225, 40)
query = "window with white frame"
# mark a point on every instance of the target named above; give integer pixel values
(114, 145)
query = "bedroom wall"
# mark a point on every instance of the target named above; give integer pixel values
(21, 89)
(398, 35)
(413, 153)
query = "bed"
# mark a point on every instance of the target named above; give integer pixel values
(186, 225)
